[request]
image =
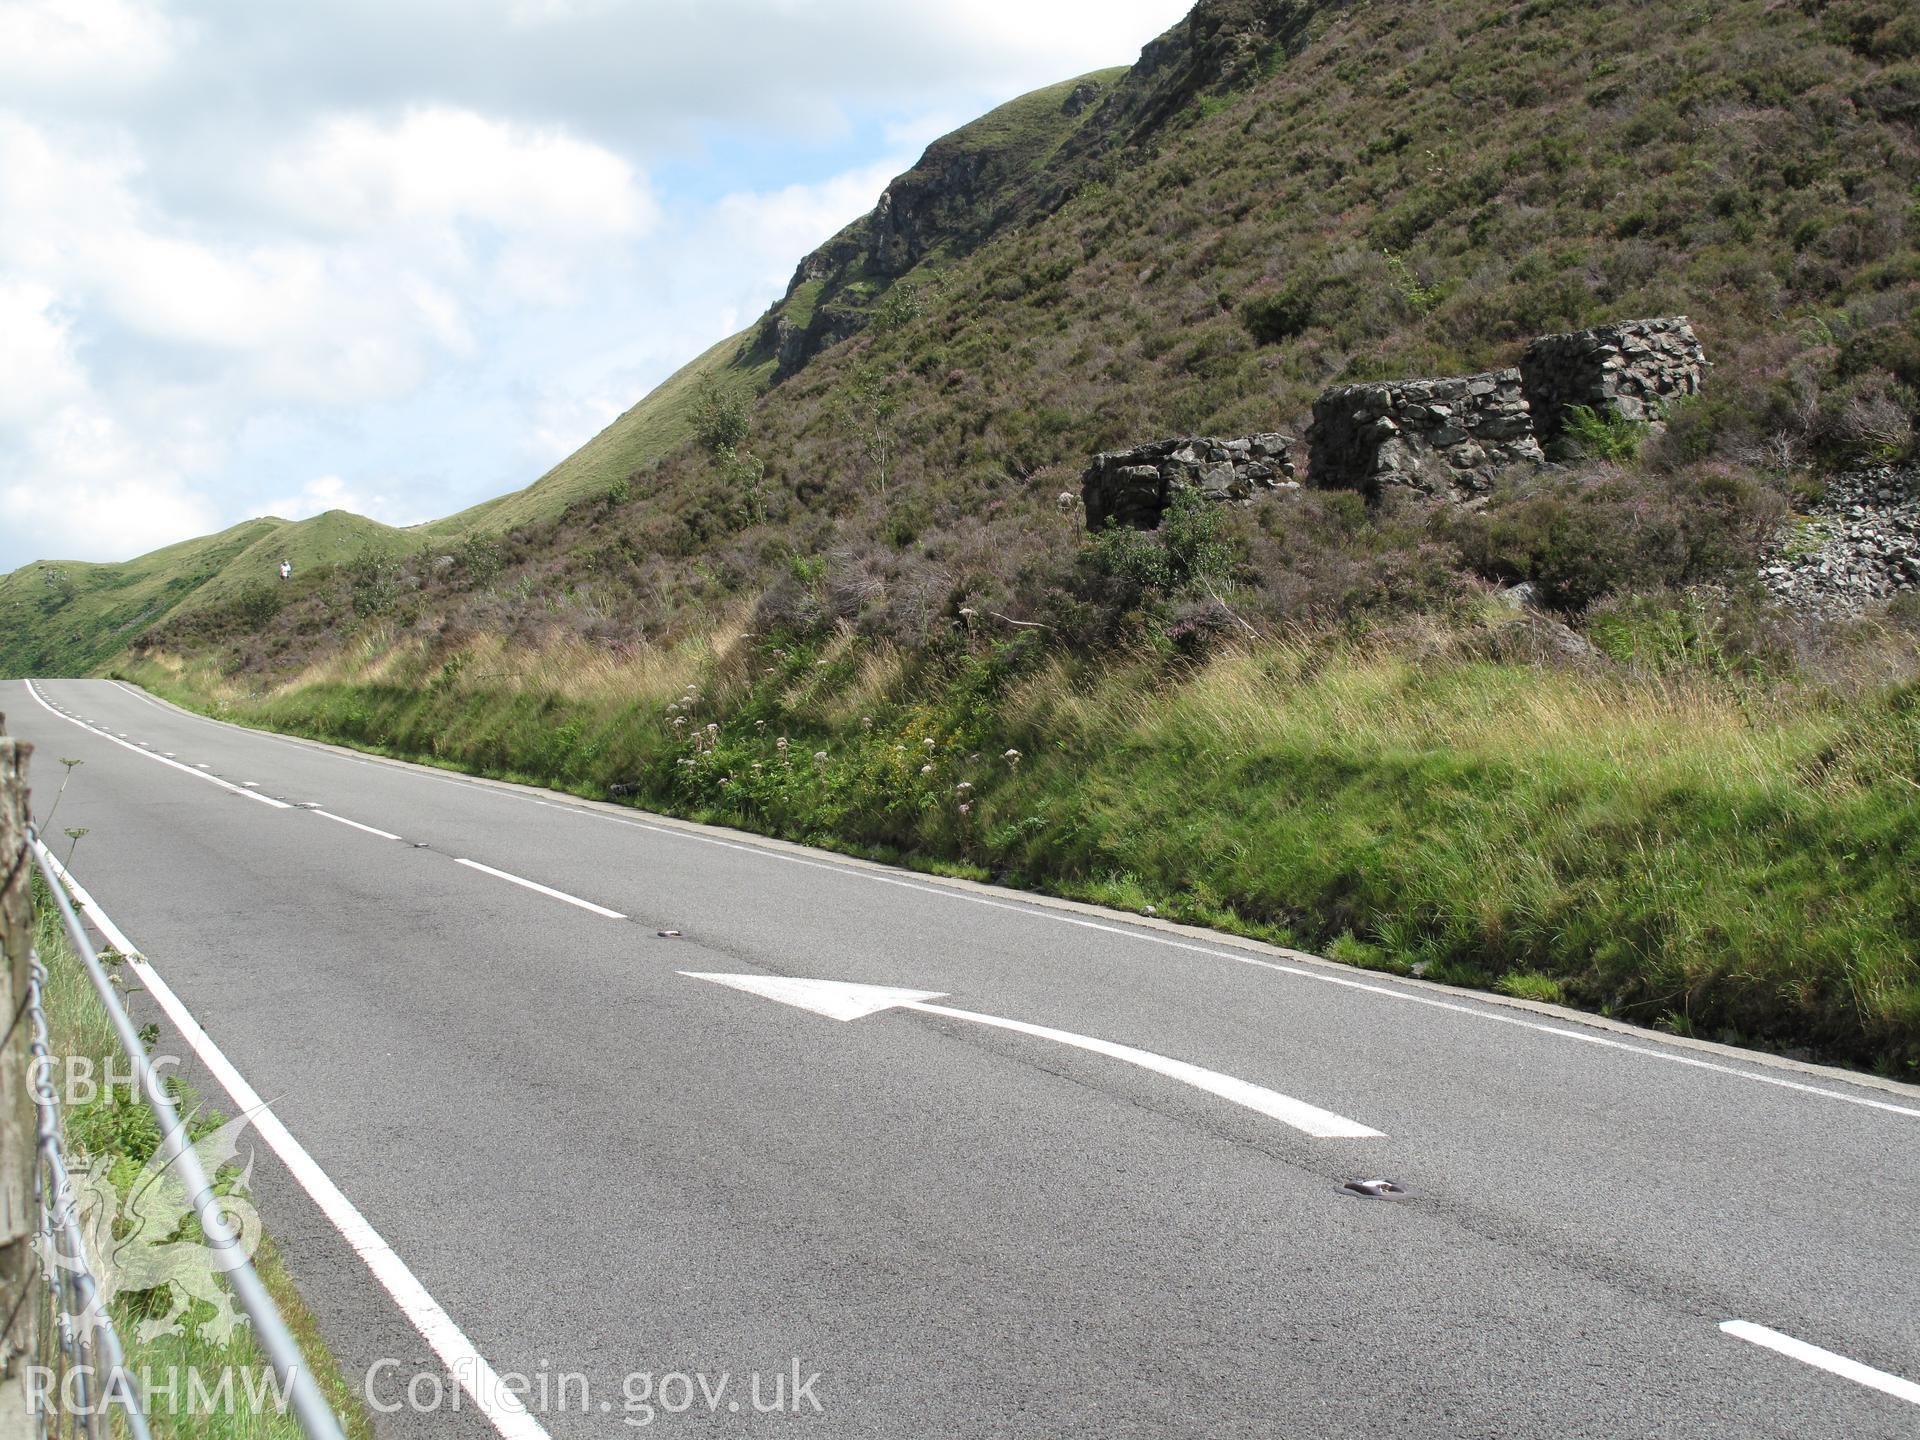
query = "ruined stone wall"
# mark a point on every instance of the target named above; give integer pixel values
(1132, 487)
(1632, 369)
(1446, 438)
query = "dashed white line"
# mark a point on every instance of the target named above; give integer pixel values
(196, 772)
(1828, 1360)
(342, 820)
(470, 1368)
(543, 889)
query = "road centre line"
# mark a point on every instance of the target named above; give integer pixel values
(197, 774)
(1299, 971)
(282, 805)
(342, 820)
(1828, 1360)
(543, 889)
(502, 1407)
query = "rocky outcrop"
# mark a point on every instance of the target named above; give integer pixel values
(1020, 163)
(1860, 546)
(1446, 438)
(1633, 369)
(1221, 45)
(1133, 487)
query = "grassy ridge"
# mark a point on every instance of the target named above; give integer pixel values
(1680, 850)
(68, 617)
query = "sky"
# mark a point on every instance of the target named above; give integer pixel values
(400, 256)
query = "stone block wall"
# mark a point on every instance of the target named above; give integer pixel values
(1132, 487)
(1446, 438)
(1632, 369)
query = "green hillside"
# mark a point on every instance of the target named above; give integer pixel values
(69, 617)
(830, 580)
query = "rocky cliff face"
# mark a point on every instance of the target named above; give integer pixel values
(1021, 162)
(1221, 45)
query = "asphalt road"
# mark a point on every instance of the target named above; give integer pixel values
(601, 1167)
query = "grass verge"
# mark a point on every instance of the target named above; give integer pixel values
(111, 1136)
(1716, 856)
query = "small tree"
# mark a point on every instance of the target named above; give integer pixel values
(868, 410)
(720, 417)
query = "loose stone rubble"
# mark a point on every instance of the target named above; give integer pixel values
(1861, 546)
(1132, 487)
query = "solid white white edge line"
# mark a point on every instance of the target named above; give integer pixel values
(157, 759)
(464, 1362)
(341, 819)
(1841, 1365)
(543, 889)
(1480, 1012)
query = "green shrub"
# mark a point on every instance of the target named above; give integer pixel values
(1625, 532)
(1868, 420)
(1269, 319)
(1599, 435)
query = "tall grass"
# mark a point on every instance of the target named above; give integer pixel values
(1715, 856)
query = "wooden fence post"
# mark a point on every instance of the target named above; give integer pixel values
(18, 1130)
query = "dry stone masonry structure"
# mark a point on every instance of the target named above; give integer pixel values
(1446, 438)
(1449, 438)
(1132, 487)
(1634, 369)
(1443, 438)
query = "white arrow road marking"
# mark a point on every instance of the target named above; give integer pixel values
(838, 1000)
(1827, 1360)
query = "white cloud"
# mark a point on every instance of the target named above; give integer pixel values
(71, 475)
(443, 166)
(38, 369)
(94, 45)
(767, 232)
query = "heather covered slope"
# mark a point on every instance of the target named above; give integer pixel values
(1277, 198)
(1280, 195)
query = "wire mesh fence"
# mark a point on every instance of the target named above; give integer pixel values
(78, 1380)
(79, 1384)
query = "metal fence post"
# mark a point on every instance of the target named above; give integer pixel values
(19, 1213)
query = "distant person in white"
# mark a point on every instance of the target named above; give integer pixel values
(286, 569)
